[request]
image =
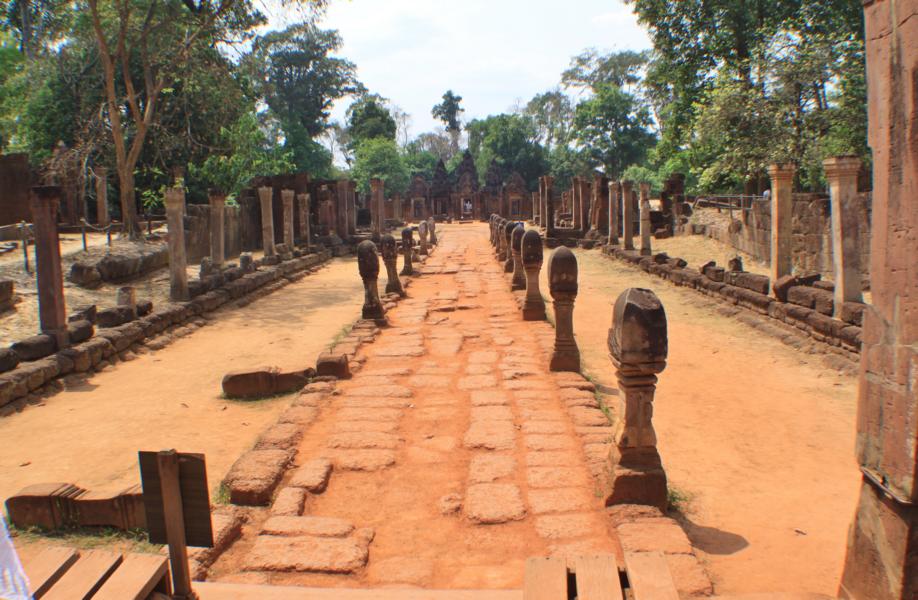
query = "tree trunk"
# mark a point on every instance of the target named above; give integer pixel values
(128, 201)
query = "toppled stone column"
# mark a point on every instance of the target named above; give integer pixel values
(178, 275)
(518, 281)
(646, 250)
(638, 346)
(390, 259)
(217, 202)
(422, 234)
(265, 198)
(102, 218)
(432, 231)
(531, 251)
(882, 558)
(841, 172)
(287, 199)
(507, 234)
(52, 311)
(305, 233)
(627, 215)
(782, 208)
(407, 250)
(562, 283)
(368, 265)
(614, 199)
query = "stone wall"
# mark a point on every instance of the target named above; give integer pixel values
(15, 177)
(197, 231)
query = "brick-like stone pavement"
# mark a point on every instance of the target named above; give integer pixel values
(449, 458)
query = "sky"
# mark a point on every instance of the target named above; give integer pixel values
(493, 53)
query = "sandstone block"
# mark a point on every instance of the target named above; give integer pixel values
(335, 365)
(491, 503)
(282, 436)
(307, 554)
(80, 331)
(35, 347)
(313, 475)
(314, 526)
(261, 383)
(289, 502)
(252, 479)
(8, 359)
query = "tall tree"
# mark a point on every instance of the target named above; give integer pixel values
(553, 114)
(509, 141)
(379, 158)
(592, 68)
(368, 119)
(449, 111)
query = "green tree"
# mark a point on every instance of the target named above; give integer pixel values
(565, 163)
(449, 111)
(614, 129)
(591, 69)
(379, 158)
(512, 142)
(369, 119)
(553, 115)
(419, 161)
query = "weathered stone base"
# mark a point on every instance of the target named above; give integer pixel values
(533, 312)
(565, 360)
(636, 486)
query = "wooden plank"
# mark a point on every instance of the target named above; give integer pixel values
(138, 575)
(597, 578)
(235, 591)
(45, 566)
(649, 576)
(546, 579)
(86, 576)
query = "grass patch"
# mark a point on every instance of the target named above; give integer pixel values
(343, 333)
(88, 538)
(678, 500)
(221, 495)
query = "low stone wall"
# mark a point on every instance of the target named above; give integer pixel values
(123, 263)
(808, 307)
(33, 363)
(197, 231)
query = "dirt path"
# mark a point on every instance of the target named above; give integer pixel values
(454, 405)
(758, 436)
(90, 435)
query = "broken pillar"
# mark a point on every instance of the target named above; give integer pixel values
(841, 173)
(614, 204)
(646, 234)
(127, 297)
(266, 199)
(217, 202)
(562, 283)
(627, 215)
(102, 217)
(287, 197)
(518, 281)
(407, 249)
(368, 266)
(422, 234)
(52, 311)
(882, 556)
(175, 222)
(638, 347)
(531, 255)
(782, 208)
(390, 259)
(432, 231)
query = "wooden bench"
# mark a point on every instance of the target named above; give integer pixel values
(69, 574)
(646, 574)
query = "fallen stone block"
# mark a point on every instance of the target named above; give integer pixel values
(114, 316)
(85, 312)
(48, 506)
(8, 359)
(802, 296)
(751, 281)
(851, 312)
(262, 383)
(35, 347)
(334, 365)
(80, 331)
(252, 479)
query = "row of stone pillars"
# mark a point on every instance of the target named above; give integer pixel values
(638, 347)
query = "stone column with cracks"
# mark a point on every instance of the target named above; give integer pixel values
(627, 215)
(614, 200)
(287, 197)
(638, 347)
(266, 199)
(562, 283)
(646, 234)
(303, 206)
(390, 259)
(841, 172)
(518, 281)
(178, 274)
(432, 231)
(52, 312)
(368, 265)
(217, 200)
(101, 174)
(782, 208)
(531, 251)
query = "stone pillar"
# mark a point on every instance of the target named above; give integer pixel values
(645, 220)
(217, 200)
(507, 234)
(432, 231)
(178, 273)
(341, 190)
(585, 195)
(303, 206)
(52, 312)
(287, 197)
(376, 207)
(638, 347)
(576, 198)
(501, 240)
(127, 296)
(518, 281)
(422, 233)
(407, 249)
(368, 265)
(102, 218)
(882, 559)
(531, 251)
(352, 207)
(614, 196)
(562, 283)
(549, 206)
(535, 207)
(841, 172)
(782, 208)
(266, 198)
(627, 216)
(397, 207)
(390, 259)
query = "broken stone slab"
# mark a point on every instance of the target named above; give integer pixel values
(280, 436)
(115, 316)
(261, 383)
(289, 502)
(252, 479)
(334, 365)
(492, 503)
(313, 475)
(307, 554)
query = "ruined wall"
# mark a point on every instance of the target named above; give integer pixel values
(197, 231)
(14, 189)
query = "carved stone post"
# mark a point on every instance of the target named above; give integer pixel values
(638, 347)
(303, 205)
(422, 235)
(217, 201)
(882, 558)
(614, 196)
(390, 259)
(178, 275)
(491, 230)
(368, 265)
(352, 207)
(585, 195)
(52, 312)
(374, 206)
(562, 283)
(576, 213)
(782, 208)
(507, 234)
(432, 231)
(102, 218)
(842, 173)
(266, 198)
(531, 249)
(287, 199)
(341, 191)
(518, 281)
(627, 215)
(407, 249)
(501, 240)
(645, 220)
(549, 206)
